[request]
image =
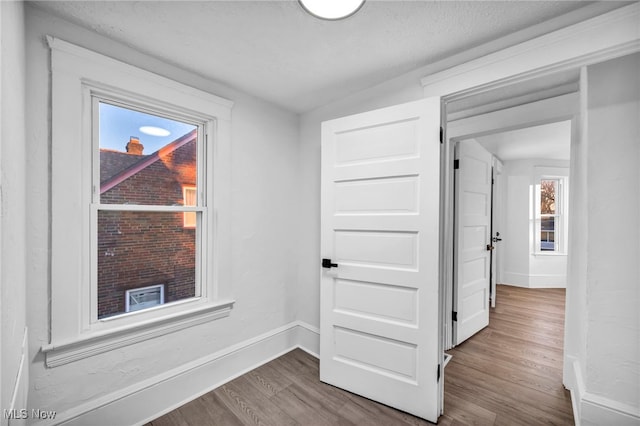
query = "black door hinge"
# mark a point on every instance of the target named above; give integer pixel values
(441, 134)
(438, 372)
(456, 164)
(454, 315)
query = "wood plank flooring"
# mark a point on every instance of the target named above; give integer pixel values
(510, 373)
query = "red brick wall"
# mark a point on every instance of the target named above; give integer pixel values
(139, 249)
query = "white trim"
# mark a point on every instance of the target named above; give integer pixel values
(575, 408)
(572, 380)
(151, 398)
(597, 410)
(64, 352)
(545, 111)
(548, 253)
(547, 280)
(594, 410)
(518, 279)
(309, 338)
(102, 61)
(146, 208)
(515, 279)
(607, 36)
(75, 331)
(19, 396)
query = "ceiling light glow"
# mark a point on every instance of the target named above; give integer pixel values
(154, 131)
(331, 9)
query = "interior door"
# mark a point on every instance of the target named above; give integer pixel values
(379, 324)
(472, 239)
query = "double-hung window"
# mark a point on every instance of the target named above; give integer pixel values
(140, 205)
(550, 214)
(139, 209)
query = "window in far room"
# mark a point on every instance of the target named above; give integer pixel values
(550, 215)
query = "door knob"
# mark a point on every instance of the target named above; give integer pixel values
(326, 263)
(496, 239)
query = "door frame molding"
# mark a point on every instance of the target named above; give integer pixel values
(608, 36)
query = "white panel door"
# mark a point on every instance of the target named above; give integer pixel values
(473, 239)
(379, 322)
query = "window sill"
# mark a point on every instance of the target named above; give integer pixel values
(60, 353)
(551, 253)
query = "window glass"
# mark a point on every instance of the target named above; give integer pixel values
(547, 234)
(144, 159)
(189, 200)
(549, 218)
(548, 196)
(141, 249)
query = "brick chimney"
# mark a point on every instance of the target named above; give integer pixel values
(134, 146)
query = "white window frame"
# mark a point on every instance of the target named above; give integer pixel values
(96, 95)
(561, 227)
(128, 295)
(79, 76)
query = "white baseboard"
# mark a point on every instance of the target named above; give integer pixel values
(144, 401)
(597, 410)
(517, 279)
(20, 392)
(572, 380)
(594, 410)
(547, 281)
(309, 338)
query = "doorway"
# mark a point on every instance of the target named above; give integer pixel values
(525, 132)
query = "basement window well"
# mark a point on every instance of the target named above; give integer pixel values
(143, 298)
(133, 255)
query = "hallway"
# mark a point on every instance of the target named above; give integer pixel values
(511, 372)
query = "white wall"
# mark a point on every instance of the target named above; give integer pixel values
(612, 361)
(12, 205)
(520, 265)
(265, 212)
(275, 191)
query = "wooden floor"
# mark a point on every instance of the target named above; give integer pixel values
(510, 373)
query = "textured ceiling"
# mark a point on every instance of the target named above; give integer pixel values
(274, 50)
